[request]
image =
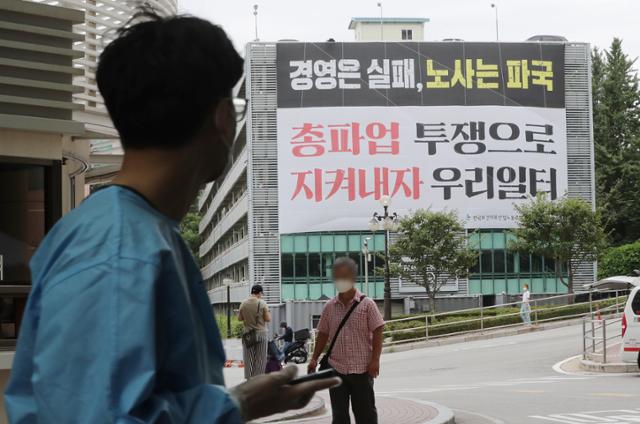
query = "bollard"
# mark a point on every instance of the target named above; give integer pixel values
(426, 327)
(584, 339)
(481, 312)
(604, 340)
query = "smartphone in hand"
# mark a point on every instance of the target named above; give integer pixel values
(329, 373)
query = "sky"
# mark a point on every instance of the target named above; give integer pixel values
(593, 21)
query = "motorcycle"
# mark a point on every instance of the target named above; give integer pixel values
(297, 352)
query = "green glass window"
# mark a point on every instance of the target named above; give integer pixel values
(536, 263)
(486, 265)
(498, 261)
(286, 244)
(314, 244)
(326, 243)
(301, 265)
(355, 244)
(356, 257)
(315, 265)
(511, 262)
(300, 243)
(525, 264)
(287, 265)
(340, 243)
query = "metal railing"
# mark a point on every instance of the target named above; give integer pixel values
(433, 326)
(599, 333)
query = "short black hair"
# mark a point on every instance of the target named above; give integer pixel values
(257, 289)
(162, 76)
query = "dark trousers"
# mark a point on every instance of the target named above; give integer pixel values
(358, 388)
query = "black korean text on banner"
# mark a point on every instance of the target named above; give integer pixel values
(420, 74)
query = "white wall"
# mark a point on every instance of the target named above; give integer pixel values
(366, 31)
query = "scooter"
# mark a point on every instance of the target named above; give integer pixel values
(297, 352)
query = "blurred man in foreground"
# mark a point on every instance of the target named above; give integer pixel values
(118, 327)
(354, 325)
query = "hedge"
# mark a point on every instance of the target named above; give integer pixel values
(494, 317)
(621, 260)
(236, 326)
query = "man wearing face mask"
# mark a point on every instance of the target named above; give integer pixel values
(118, 326)
(357, 346)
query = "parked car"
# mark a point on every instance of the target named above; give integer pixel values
(631, 328)
(631, 316)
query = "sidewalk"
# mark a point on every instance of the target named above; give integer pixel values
(614, 363)
(390, 410)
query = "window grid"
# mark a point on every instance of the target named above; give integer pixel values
(497, 266)
(306, 259)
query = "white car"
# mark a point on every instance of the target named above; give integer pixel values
(631, 328)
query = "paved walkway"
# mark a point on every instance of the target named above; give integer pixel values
(390, 411)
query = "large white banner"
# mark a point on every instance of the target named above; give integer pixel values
(335, 163)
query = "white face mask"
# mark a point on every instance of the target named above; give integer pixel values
(343, 286)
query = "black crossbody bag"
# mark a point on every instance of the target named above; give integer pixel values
(324, 362)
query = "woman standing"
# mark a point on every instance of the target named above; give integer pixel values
(254, 313)
(525, 309)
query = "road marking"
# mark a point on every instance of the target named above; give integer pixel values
(484, 385)
(529, 391)
(622, 395)
(619, 416)
(476, 414)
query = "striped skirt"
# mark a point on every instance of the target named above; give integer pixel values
(255, 357)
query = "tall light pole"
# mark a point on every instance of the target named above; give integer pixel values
(495, 6)
(365, 252)
(381, 27)
(255, 19)
(388, 222)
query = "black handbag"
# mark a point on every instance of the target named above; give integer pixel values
(324, 362)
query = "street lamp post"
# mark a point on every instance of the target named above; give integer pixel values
(255, 19)
(388, 222)
(495, 6)
(365, 251)
(381, 26)
(228, 311)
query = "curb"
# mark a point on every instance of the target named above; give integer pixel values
(488, 335)
(610, 368)
(297, 414)
(561, 368)
(445, 415)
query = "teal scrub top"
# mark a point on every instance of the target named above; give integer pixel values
(118, 327)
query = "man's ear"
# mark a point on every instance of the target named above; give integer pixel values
(223, 118)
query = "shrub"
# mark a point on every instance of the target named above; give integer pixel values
(621, 260)
(494, 317)
(236, 326)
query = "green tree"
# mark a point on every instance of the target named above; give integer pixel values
(616, 121)
(431, 248)
(189, 229)
(621, 260)
(568, 231)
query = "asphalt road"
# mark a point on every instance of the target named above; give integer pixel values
(511, 380)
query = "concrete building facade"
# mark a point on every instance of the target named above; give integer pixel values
(388, 29)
